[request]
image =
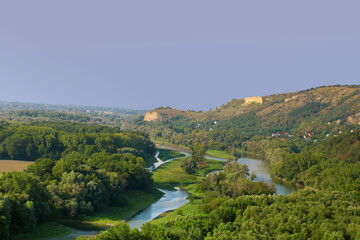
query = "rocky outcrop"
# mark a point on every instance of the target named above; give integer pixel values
(253, 99)
(354, 119)
(153, 116)
(292, 98)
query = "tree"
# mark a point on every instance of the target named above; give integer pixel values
(198, 152)
(189, 165)
(42, 168)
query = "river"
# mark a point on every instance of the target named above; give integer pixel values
(260, 168)
(170, 201)
(263, 174)
(175, 199)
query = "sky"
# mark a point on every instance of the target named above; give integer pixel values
(184, 54)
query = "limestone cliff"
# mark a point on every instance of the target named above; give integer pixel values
(254, 99)
(152, 116)
(355, 119)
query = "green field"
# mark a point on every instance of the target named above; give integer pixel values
(136, 201)
(150, 161)
(219, 154)
(191, 208)
(162, 142)
(171, 174)
(166, 154)
(49, 230)
(210, 153)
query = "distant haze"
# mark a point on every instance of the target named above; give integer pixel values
(183, 54)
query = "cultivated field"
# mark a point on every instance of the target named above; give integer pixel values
(13, 165)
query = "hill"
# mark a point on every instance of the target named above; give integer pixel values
(312, 114)
(325, 103)
(321, 109)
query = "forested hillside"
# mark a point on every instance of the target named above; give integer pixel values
(319, 111)
(309, 137)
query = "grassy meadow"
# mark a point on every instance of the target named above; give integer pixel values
(219, 154)
(166, 154)
(170, 174)
(49, 230)
(136, 200)
(209, 153)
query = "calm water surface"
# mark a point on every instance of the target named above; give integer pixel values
(262, 172)
(171, 200)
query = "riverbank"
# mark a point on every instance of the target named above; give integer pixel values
(71, 228)
(209, 153)
(297, 185)
(136, 201)
(224, 155)
(170, 174)
(164, 155)
(167, 154)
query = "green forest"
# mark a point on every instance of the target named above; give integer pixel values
(85, 169)
(79, 169)
(234, 207)
(310, 144)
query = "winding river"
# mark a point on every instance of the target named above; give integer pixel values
(175, 199)
(170, 201)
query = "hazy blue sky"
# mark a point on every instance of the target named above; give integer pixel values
(186, 54)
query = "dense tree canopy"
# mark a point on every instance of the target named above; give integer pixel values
(75, 172)
(53, 141)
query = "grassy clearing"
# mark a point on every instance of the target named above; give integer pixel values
(165, 144)
(150, 161)
(166, 154)
(171, 174)
(44, 231)
(136, 201)
(219, 154)
(13, 165)
(210, 153)
(82, 225)
(191, 208)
